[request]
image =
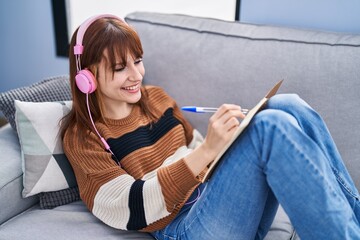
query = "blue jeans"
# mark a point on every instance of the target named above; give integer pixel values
(286, 156)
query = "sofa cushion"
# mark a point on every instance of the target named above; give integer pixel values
(71, 221)
(50, 89)
(11, 201)
(74, 221)
(46, 167)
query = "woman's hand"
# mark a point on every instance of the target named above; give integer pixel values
(221, 128)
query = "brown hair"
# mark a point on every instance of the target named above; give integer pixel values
(119, 40)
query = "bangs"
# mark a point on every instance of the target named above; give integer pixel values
(120, 43)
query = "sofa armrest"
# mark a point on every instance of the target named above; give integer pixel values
(11, 183)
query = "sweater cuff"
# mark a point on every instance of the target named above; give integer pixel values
(177, 180)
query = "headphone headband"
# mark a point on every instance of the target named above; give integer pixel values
(84, 79)
(79, 48)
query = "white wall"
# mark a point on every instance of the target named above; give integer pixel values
(80, 10)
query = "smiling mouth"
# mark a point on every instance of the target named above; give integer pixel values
(132, 88)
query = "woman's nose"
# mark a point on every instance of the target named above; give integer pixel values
(134, 73)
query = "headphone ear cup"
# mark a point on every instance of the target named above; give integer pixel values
(85, 81)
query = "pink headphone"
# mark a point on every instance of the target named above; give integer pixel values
(84, 79)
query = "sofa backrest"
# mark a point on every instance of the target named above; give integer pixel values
(207, 62)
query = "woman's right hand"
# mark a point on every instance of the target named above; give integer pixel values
(221, 128)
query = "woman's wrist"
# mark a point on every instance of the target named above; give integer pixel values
(200, 158)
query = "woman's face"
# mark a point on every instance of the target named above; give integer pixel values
(120, 85)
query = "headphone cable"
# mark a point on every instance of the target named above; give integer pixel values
(107, 147)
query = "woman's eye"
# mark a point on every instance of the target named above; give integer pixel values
(119, 69)
(139, 60)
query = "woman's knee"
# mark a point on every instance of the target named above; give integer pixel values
(290, 103)
(285, 98)
(275, 117)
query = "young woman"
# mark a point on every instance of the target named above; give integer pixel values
(139, 163)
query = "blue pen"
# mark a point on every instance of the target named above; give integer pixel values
(205, 109)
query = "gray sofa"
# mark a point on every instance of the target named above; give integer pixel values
(208, 62)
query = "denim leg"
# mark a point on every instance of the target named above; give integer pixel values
(273, 156)
(313, 125)
(302, 178)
